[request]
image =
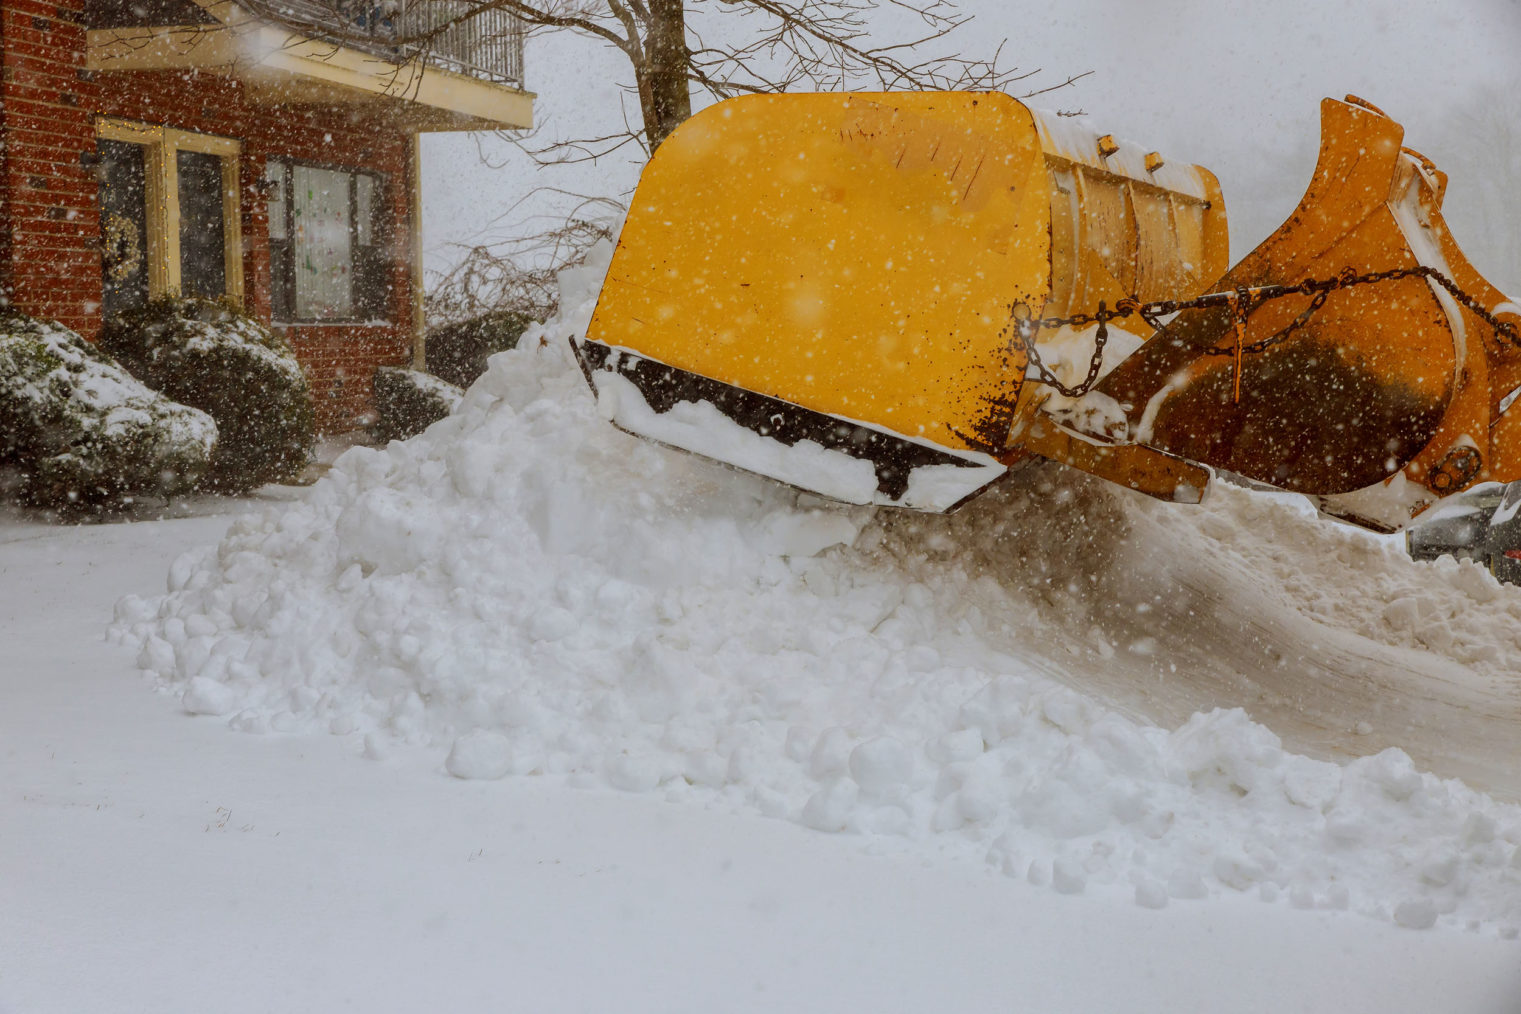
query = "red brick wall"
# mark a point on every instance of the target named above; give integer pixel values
(341, 362)
(53, 262)
(51, 265)
(340, 358)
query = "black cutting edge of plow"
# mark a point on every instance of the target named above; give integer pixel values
(662, 386)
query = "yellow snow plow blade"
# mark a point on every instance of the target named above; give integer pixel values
(818, 288)
(1378, 394)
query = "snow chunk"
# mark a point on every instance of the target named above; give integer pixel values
(829, 808)
(1416, 914)
(480, 755)
(1067, 877)
(881, 765)
(205, 696)
(1150, 894)
(808, 533)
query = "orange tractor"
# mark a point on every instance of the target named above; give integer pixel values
(895, 298)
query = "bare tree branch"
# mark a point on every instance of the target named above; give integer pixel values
(520, 276)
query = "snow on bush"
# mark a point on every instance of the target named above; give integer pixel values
(80, 431)
(409, 401)
(236, 370)
(535, 593)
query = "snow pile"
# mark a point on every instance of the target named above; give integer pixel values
(532, 592)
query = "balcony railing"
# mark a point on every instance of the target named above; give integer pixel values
(453, 34)
(488, 44)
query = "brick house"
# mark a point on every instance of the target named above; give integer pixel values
(264, 151)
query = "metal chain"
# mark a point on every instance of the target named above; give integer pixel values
(1242, 302)
(1100, 339)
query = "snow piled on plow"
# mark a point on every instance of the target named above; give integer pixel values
(532, 593)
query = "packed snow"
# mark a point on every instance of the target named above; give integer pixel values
(530, 592)
(1067, 352)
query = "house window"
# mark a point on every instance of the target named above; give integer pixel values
(203, 240)
(123, 227)
(169, 215)
(327, 257)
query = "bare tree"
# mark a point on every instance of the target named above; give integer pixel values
(724, 48)
(519, 275)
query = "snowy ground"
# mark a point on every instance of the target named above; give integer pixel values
(718, 747)
(156, 861)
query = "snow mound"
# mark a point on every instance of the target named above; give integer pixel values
(533, 592)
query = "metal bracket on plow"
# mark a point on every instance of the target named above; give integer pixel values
(1141, 468)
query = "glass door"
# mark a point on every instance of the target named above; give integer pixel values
(123, 226)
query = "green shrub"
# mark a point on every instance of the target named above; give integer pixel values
(457, 353)
(77, 430)
(230, 366)
(409, 401)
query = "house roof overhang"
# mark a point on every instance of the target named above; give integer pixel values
(283, 66)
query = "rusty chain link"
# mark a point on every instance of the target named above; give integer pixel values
(1242, 302)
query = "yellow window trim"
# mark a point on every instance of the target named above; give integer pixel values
(419, 319)
(162, 196)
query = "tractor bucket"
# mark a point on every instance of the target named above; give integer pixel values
(1390, 395)
(818, 288)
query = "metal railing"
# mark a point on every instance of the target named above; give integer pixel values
(486, 44)
(456, 35)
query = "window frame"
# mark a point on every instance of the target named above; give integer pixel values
(161, 147)
(282, 269)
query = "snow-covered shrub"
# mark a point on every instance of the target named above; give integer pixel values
(457, 352)
(230, 366)
(409, 401)
(78, 430)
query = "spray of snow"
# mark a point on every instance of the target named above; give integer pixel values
(532, 592)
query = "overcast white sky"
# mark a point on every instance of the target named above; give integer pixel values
(1232, 85)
